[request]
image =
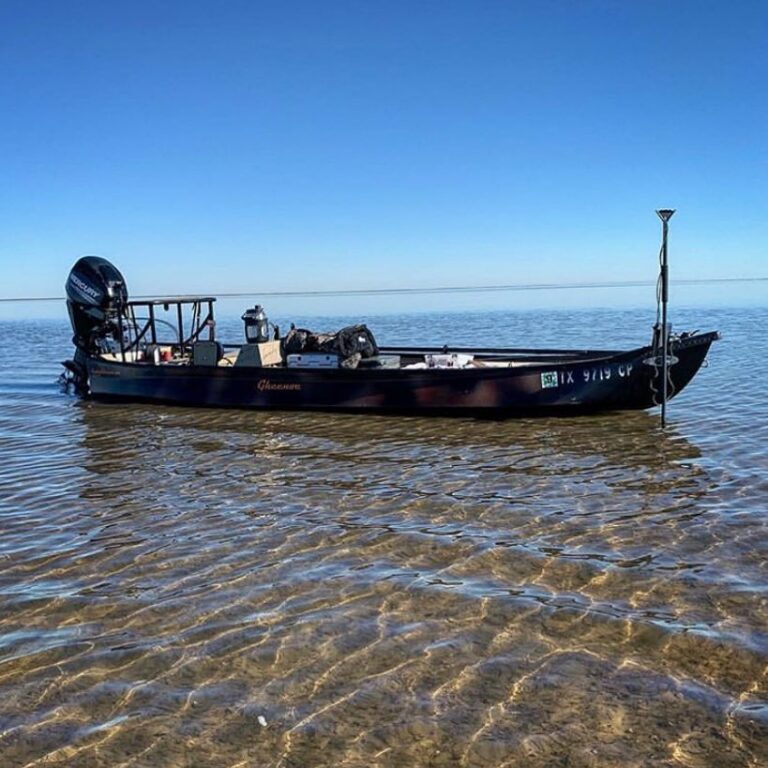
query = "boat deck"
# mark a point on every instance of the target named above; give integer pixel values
(391, 358)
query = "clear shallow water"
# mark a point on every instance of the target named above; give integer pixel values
(210, 588)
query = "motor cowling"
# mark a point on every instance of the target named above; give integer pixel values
(96, 295)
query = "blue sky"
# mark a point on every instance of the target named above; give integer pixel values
(219, 146)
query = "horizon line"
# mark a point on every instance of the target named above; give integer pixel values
(428, 290)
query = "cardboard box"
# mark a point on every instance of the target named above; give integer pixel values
(259, 355)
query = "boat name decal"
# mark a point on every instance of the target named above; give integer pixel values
(281, 386)
(550, 379)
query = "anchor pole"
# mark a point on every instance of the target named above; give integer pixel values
(665, 215)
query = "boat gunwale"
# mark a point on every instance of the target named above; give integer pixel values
(186, 368)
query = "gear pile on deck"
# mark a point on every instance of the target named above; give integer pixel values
(350, 345)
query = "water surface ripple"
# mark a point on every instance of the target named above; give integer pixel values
(209, 588)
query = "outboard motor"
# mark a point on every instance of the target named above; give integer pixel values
(96, 295)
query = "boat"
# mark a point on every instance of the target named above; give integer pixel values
(123, 353)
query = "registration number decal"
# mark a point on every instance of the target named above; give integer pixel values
(551, 379)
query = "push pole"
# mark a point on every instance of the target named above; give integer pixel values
(665, 215)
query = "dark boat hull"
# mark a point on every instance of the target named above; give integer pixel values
(581, 382)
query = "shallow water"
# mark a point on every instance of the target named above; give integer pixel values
(212, 588)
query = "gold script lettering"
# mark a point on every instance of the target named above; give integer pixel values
(282, 386)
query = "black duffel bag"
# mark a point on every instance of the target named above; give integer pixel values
(352, 340)
(295, 342)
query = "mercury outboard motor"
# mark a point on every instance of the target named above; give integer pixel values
(96, 295)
